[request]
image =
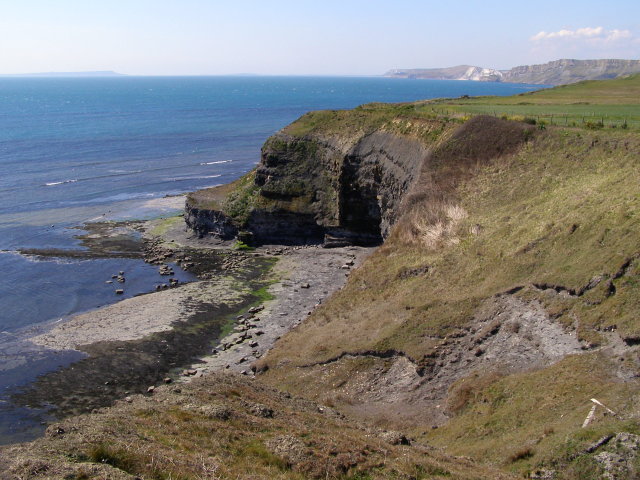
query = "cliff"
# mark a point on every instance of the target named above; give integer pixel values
(561, 72)
(558, 72)
(320, 185)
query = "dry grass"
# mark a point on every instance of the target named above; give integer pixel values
(432, 226)
(562, 208)
(467, 390)
(170, 436)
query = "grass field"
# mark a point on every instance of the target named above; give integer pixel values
(593, 104)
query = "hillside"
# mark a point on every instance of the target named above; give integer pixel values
(558, 72)
(502, 299)
(505, 289)
(595, 105)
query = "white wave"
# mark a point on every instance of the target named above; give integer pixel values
(194, 177)
(50, 184)
(216, 162)
(124, 172)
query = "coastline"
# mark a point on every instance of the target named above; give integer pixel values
(190, 330)
(300, 279)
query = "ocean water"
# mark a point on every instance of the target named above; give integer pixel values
(75, 150)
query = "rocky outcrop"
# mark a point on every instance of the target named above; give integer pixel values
(313, 188)
(343, 188)
(203, 221)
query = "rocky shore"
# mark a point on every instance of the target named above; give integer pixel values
(242, 302)
(306, 276)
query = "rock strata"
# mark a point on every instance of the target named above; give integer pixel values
(314, 188)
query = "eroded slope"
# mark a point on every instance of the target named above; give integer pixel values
(497, 307)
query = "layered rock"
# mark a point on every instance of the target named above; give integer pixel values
(565, 71)
(312, 188)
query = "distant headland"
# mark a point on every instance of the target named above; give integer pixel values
(105, 73)
(558, 72)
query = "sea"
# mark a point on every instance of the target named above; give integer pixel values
(79, 150)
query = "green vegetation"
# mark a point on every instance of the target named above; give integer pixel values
(405, 119)
(162, 226)
(233, 195)
(239, 245)
(563, 210)
(238, 203)
(591, 104)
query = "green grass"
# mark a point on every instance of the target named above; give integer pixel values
(239, 245)
(162, 226)
(614, 103)
(610, 116)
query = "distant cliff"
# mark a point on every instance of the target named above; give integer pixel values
(460, 72)
(558, 72)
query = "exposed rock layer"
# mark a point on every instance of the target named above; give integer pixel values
(314, 187)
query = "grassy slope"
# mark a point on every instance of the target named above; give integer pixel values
(562, 210)
(220, 427)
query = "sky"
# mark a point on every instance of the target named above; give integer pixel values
(303, 37)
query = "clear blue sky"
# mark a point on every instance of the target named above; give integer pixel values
(345, 37)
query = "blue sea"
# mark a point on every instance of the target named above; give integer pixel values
(76, 150)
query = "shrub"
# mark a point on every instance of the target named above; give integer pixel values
(521, 454)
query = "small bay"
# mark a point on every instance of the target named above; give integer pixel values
(78, 150)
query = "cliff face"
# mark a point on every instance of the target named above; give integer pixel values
(558, 72)
(565, 71)
(316, 187)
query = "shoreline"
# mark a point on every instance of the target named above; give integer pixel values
(190, 330)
